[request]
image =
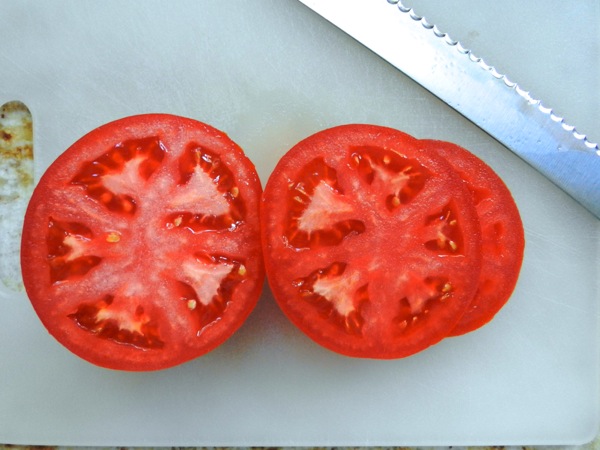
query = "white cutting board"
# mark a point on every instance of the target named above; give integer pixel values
(269, 72)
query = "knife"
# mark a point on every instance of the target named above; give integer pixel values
(466, 83)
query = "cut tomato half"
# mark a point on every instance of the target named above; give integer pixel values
(141, 246)
(372, 245)
(503, 238)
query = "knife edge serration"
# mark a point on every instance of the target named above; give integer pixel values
(593, 147)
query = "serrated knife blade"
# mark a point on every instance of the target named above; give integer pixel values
(476, 90)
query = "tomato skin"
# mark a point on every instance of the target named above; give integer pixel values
(120, 259)
(503, 237)
(369, 279)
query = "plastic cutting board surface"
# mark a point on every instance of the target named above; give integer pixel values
(270, 73)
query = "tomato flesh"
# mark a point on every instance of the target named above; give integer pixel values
(372, 245)
(141, 246)
(503, 239)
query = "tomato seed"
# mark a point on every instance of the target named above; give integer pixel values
(113, 237)
(191, 304)
(106, 197)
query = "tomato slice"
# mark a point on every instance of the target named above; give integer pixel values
(503, 240)
(372, 245)
(141, 244)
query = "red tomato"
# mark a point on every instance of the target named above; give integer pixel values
(141, 246)
(372, 245)
(503, 239)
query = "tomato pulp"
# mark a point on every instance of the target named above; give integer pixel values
(503, 240)
(141, 246)
(372, 244)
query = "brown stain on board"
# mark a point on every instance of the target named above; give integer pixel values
(16, 186)
(16, 148)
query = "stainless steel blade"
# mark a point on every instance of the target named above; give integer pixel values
(473, 88)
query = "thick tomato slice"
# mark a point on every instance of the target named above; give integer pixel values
(503, 239)
(141, 245)
(372, 245)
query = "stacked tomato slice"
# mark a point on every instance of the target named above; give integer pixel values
(144, 243)
(380, 245)
(503, 239)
